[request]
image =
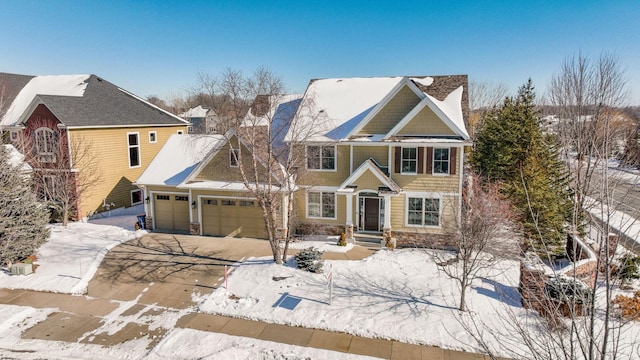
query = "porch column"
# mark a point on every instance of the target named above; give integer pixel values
(349, 226)
(386, 229)
(387, 211)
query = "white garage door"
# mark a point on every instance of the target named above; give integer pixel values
(232, 217)
(171, 212)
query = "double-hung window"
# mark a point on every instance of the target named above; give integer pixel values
(321, 205)
(409, 161)
(423, 212)
(321, 157)
(133, 142)
(441, 161)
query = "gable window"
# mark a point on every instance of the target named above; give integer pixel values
(321, 157)
(441, 161)
(153, 136)
(409, 161)
(234, 155)
(423, 212)
(180, 132)
(133, 142)
(136, 197)
(321, 205)
(45, 144)
(189, 129)
(14, 136)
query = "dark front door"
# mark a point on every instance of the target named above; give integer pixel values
(371, 214)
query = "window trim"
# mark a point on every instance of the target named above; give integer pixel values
(335, 158)
(13, 135)
(232, 153)
(129, 147)
(141, 197)
(322, 193)
(402, 160)
(155, 137)
(448, 161)
(48, 155)
(423, 197)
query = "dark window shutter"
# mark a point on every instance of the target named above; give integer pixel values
(429, 161)
(453, 152)
(398, 159)
(420, 160)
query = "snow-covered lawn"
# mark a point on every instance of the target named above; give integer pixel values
(397, 294)
(72, 255)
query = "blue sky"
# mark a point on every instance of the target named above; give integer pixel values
(157, 47)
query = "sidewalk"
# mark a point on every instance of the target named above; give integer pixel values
(80, 315)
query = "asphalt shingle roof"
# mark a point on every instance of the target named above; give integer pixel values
(102, 104)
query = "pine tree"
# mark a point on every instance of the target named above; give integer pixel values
(511, 148)
(23, 220)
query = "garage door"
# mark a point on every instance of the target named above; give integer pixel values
(171, 212)
(232, 217)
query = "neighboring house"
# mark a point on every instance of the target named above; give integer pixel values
(194, 184)
(53, 119)
(203, 121)
(383, 156)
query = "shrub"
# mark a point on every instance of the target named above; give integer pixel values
(568, 290)
(629, 306)
(629, 267)
(309, 259)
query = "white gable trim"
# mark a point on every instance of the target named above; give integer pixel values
(367, 165)
(427, 102)
(396, 89)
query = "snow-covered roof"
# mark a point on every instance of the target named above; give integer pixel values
(178, 158)
(278, 108)
(59, 85)
(79, 101)
(16, 159)
(335, 109)
(196, 112)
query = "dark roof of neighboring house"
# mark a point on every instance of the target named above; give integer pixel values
(101, 104)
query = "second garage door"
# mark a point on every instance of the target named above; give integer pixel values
(232, 217)
(171, 212)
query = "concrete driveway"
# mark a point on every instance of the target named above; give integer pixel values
(165, 269)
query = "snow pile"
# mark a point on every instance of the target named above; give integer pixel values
(68, 261)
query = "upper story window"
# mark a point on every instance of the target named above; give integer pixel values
(321, 157)
(13, 136)
(153, 137)
(180, 132)
(441, 161)
(234, 155)
(45, 144)
(409, 161)
(133, 142)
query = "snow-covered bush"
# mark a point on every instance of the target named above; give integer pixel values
(309, 259)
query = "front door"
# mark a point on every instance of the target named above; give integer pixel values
(371, 214)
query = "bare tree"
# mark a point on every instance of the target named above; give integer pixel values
(585, 94)
(479, 237)
(260, 114)
(483, 96)
(65, 168)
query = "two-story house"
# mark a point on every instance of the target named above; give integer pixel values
(203, 121)
(82, 124)
(383, 155)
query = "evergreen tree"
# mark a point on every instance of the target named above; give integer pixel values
(23, 220)
(511, 148)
